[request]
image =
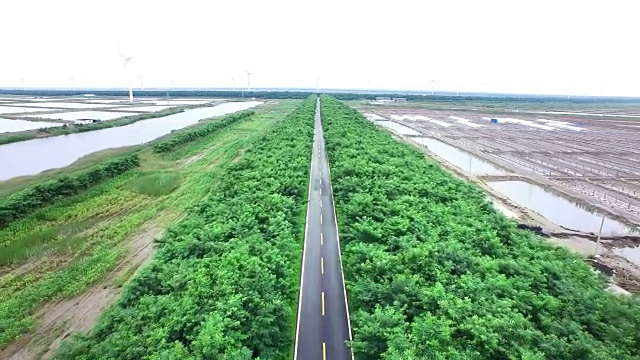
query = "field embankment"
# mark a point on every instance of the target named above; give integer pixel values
(433, 271)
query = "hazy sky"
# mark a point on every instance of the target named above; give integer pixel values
(507, 46)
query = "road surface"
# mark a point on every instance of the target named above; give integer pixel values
(323, 317)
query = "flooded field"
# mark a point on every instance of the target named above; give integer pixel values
(400, 129)
(20, 109)
(8, 126)
(37, 155)
(76, 115)
(630, 253)
(181, 102)
(557, 209)
(148, 108)
(459, 158)
(67, 105)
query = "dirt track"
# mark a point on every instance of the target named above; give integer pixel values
(58, 320)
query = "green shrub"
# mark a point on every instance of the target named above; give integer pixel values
(156, 184)
(188, 136)
(26, 201)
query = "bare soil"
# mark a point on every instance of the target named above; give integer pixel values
(194, 158)
(58, 320)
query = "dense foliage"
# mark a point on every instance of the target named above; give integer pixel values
(434, 272)
(34, 197)
(224, 282)
(184, 137)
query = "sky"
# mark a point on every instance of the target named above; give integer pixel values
(539, 47)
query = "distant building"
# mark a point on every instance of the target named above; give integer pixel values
(83, 121)
(382, 98)
(399, 99)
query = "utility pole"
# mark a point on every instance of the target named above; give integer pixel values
(599, 234)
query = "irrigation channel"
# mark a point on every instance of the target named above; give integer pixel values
(37, 155)
(553, 207)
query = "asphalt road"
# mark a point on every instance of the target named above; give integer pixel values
(323, 319)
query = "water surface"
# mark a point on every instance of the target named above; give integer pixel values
(37, 155)
(461, 159)
(7, 125)
(400, 129)
(76, 115)
(558, 209)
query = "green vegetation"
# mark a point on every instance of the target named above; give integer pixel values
(188, 136)
(11, 138)
(32, 198)
(61, 249)
(434, 272)
(156, 184)
(223, 284)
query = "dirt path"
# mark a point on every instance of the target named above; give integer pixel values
(58, 320)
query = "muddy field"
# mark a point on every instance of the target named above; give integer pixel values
(599, 159)
(568, 171)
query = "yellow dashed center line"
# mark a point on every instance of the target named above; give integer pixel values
(323, 303)
(324, 351)
(321, 241)
(321, 219)
(322, 265)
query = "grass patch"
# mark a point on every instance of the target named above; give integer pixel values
(8, 139)
(156, 184)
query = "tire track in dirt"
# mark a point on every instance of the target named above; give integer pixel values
(56, 321)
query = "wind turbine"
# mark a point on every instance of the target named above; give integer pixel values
(433, 82)
(126, 63)
(141, 78)
(248, 80)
